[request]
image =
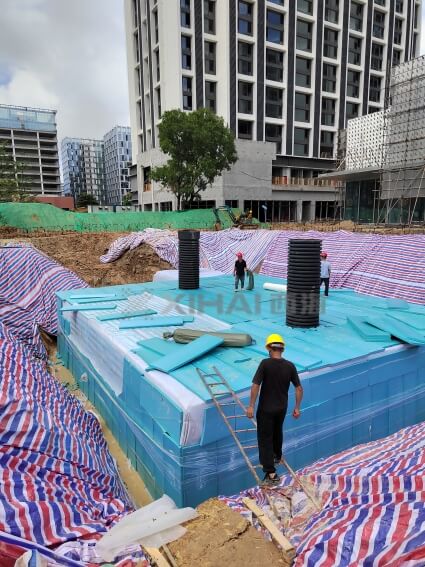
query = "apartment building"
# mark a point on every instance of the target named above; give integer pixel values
(285, 75)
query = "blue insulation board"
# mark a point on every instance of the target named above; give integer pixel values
(359, 384)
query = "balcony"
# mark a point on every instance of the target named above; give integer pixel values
(147, 187)
(302, 182)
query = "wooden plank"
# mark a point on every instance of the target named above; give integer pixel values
(288, 549)
(157, 557)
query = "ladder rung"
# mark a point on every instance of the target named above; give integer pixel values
(235, 416)
(250, 447)
(208, 375)
(215, 383)
(227, 404)
(257, 466)
(243, 430)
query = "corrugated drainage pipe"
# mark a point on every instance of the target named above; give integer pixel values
(188, 259)
(303, 288)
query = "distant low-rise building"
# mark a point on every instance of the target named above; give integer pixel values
(30, 136)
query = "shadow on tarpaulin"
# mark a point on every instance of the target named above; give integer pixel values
(344, 405)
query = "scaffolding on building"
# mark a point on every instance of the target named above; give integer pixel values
(387, 149)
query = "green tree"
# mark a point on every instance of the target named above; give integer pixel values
(85, 199)
(200, 147)
(14, 185)
(127, 200)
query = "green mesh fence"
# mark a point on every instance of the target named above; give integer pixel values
(32, 217)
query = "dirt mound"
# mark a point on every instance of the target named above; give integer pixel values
(81, 253)
(220, 536)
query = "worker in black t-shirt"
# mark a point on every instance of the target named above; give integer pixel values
(274, 375)
(239, 271)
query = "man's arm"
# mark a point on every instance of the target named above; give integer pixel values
(298, 399)
(255, 388)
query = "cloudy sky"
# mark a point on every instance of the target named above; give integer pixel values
(68, 55)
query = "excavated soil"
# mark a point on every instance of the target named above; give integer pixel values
(81, 252)
(220, 536)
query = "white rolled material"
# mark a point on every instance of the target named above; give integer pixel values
(275, 287)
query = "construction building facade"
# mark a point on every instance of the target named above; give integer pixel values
(382, 165)
(30, 136)
(285, 76)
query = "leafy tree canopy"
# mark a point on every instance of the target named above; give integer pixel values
(85, 199)
(200, 147)
(14, 186)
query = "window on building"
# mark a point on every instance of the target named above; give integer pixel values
(304, 35)
(356, 16)
(186, 52)
(375, 89)
(155, 26)
(416, 15)
(329, 78)
(328, 112)
(245, 97)
(355, 50)
(399, 6)
(353, 83)
(326, 144)
(330, 43)
(398, 31)
(301, 141)
(380, 2)
(158, 102)
(303, 72)
(157, 65)
(378, 29)
(245, 129)
(209, 16)
(274, 65)
(245, 18)
(275, 25)
(210, 58)
(332, 11)
(211, 95)
(352, 110)
(274, 98)
(187, 93)
(280, 2)
(273, 133)
(185, 13)
(302, 107)
(245, 58)
(377, 59)
(305, 6)
(396, 57)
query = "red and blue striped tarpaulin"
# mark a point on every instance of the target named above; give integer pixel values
(29, 281)
(374, 264)
(373, 505)
(58, 480)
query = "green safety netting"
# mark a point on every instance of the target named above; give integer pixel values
(39, 216)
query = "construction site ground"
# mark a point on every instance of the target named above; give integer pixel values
(218, 536)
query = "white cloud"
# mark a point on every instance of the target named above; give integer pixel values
(69, 55)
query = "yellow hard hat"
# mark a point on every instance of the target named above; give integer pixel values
(274, 338)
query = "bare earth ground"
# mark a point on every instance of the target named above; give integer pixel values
(81, 252)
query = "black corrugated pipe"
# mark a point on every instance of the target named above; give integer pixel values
(188, 259)
(303, 289)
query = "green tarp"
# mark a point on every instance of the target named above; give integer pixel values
(39, 216)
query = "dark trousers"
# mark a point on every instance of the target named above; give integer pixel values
(326, 282)
(270, 437)
(239, 279)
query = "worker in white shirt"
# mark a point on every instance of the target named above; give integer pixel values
(325, 271)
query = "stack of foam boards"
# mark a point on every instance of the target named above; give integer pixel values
(360, 382)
